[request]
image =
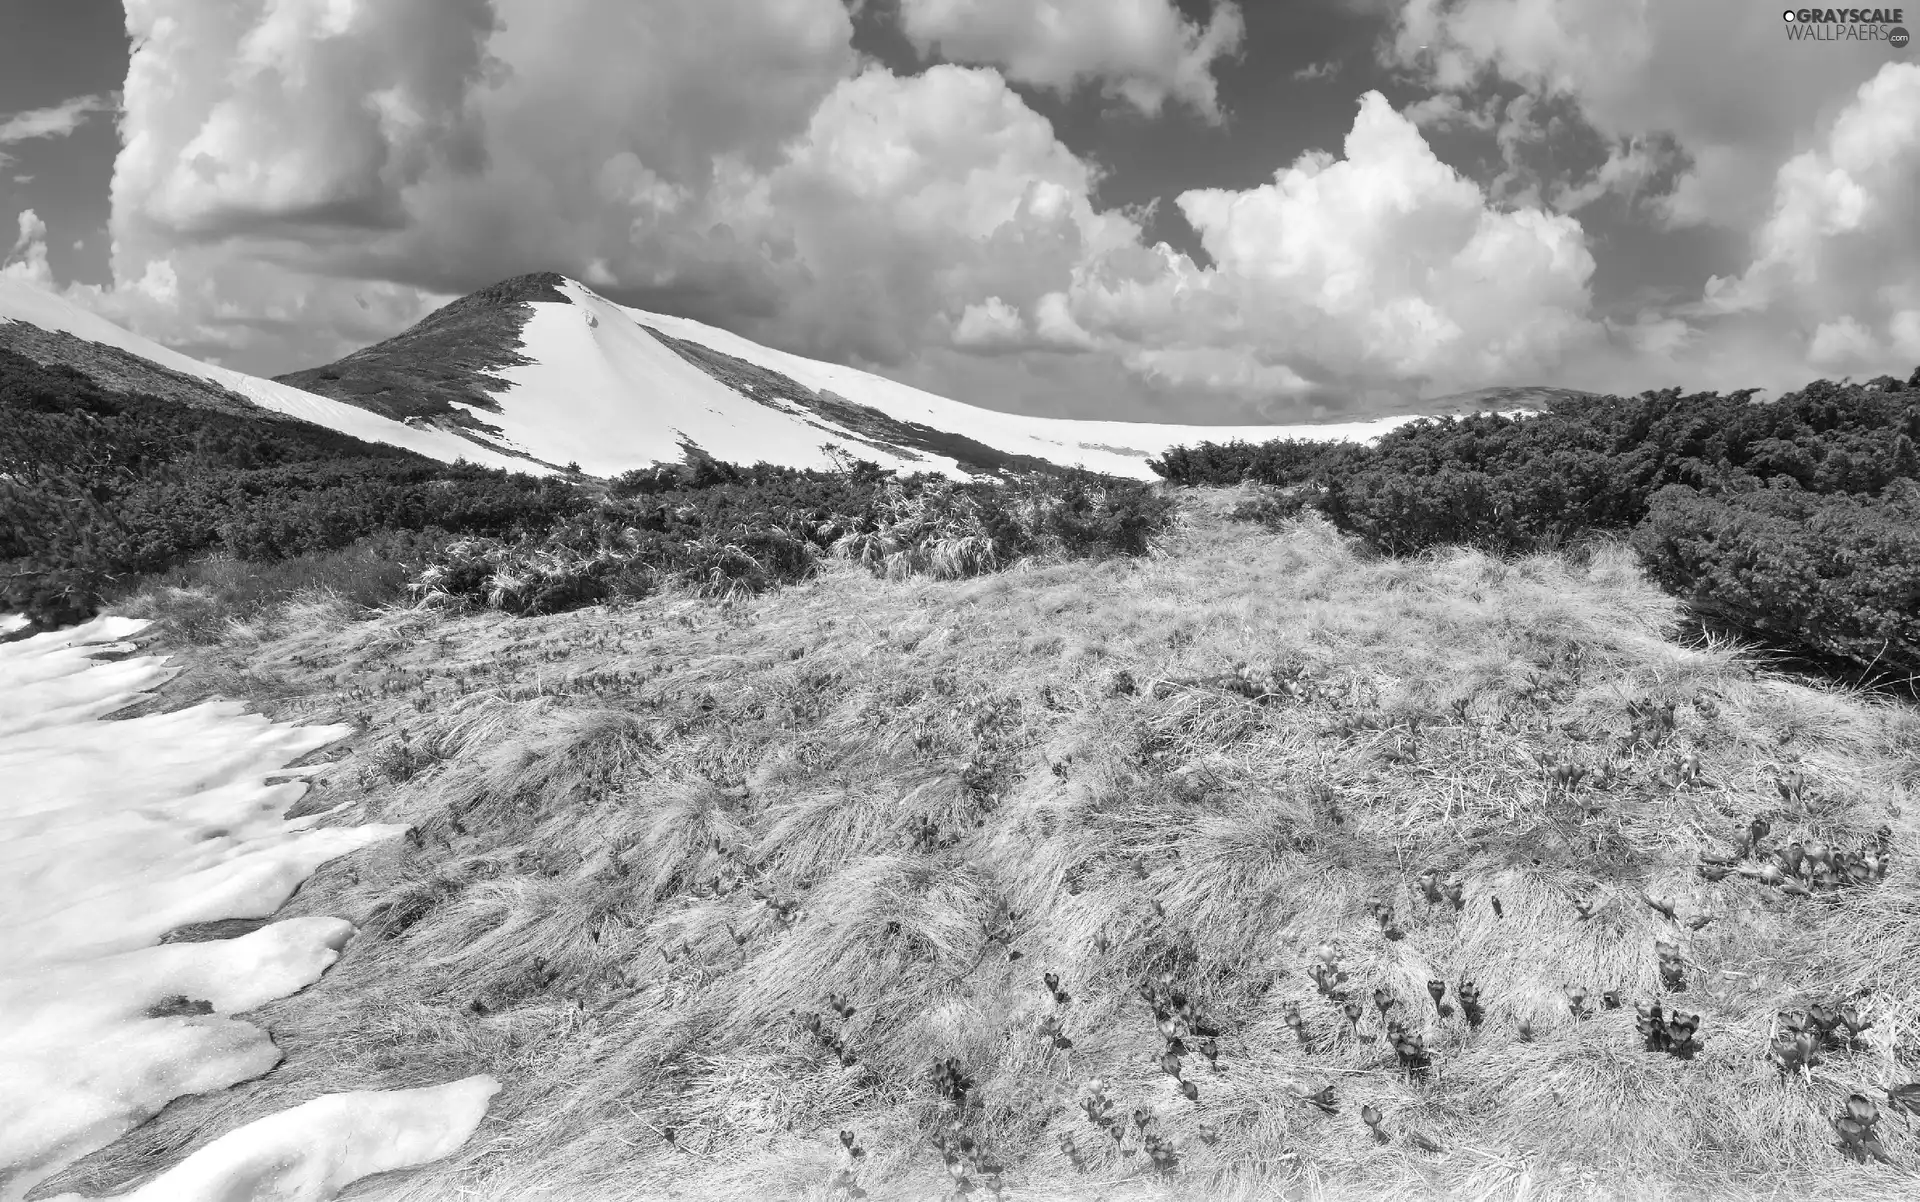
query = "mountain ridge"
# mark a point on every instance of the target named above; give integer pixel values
(770, 404)
(538, 370)
(442, 367)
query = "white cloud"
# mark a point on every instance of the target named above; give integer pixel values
(1707, 114)
(269, 214)
(1718, 77)
(1839, 253)
(1904, 332)
(273, 117)
(302, 178)
(991, 324)
(1056, 328)
(57, 121)
(1385, 267)
(1144, 51)
(27, 259)
(1840, 342)
(1313, 71)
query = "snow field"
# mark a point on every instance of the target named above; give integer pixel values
(113, 833)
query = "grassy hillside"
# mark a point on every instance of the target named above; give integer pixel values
(715, 889)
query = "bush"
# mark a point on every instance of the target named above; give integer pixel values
(1836, 574)
(104, 489)
(1273, 507)
(723, 530)
(1745, 472)
(200, 600)
(1281, 462)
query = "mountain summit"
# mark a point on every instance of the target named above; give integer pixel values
(540, 371)
(542, 366)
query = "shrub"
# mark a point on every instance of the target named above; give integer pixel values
(103, 489)
(723, 530)
(1749, 479)
(1837, 574)
(1272, 507)
(1279, 462)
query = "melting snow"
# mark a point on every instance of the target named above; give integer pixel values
(114, 833)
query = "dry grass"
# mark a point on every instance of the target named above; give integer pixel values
(930, 776)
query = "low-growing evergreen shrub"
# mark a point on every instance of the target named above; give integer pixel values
(1837, 574)
(100, 489)
(724, 530)
(1748, 491)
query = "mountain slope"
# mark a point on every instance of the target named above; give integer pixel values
(449, 357)
(539, 371)
(32, 320)
(1116, 447)
(560, 373)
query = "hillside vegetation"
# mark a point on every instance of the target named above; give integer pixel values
(1257, 866)
(1796, 520)
(724, 531)
(106, 490)
(100, 488)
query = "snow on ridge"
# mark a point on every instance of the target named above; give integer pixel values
(1119, 448)
(606, 394)
(603, 392)
(112, 834)
(20, 301)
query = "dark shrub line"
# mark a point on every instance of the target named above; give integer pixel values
(1796, 519)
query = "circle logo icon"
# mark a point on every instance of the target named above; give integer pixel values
(1787, 16)
(1898, 37)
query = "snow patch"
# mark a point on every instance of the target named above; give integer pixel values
(111, 835)
(318, 1148)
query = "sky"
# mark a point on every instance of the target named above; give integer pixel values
(1177, 210)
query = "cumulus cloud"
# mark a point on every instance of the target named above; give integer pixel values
(1385, 266)
(1839, 252)
(1718, 77)
(1144, 51)
(1702, 115)
(299, 179)
(908, 198)
(314, 173)
(276, 115)
(302, 178)
(993, 323)
(27, 259)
